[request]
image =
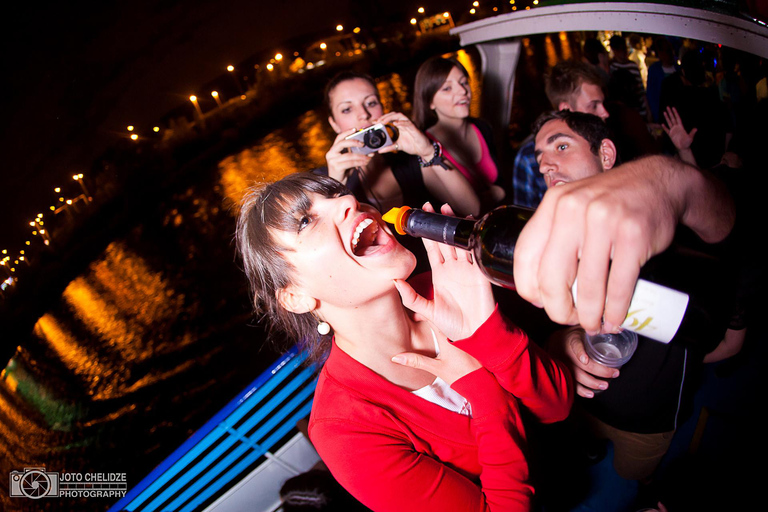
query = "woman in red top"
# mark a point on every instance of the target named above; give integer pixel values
(403, 417)
(441, 107)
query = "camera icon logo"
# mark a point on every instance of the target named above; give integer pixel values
(34, 483)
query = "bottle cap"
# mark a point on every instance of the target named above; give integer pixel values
(395, 217)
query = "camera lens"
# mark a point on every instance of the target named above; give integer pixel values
(375, 139)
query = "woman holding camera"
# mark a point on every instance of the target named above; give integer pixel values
(409, 172)
(441, 107)
(404, 418)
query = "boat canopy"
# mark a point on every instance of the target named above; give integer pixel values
(498, 38)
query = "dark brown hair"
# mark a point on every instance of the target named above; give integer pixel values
(565, 79)
(280, 206)
(430, 77)
(587, 126)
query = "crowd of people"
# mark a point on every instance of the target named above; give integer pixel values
(429, 391)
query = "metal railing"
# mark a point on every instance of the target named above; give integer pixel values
(235, 441)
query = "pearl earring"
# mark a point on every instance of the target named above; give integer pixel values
(322, 326)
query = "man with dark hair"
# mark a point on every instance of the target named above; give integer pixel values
(570, 85)
(639, 406)
(571, 146)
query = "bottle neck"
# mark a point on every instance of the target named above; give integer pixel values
(439, 228)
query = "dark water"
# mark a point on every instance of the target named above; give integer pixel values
(156, 335)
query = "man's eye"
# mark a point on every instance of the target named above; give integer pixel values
(561, 147)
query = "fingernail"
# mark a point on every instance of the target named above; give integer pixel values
(398, 359)
(603, 385)
(584, 359)
(615, 374)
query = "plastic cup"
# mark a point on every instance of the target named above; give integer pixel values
(612, 350)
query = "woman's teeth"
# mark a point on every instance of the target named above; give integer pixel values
(358, 231)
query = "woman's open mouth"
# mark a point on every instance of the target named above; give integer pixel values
(367, 237)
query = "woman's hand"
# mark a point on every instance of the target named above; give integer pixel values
(568, 347)
(463, 298)
(450, 365)
(410, 139)
(340, 158)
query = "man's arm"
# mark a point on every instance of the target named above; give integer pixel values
(602, 230)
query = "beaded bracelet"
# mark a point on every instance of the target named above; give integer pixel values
(437, 158)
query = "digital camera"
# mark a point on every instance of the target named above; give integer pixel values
(374, 137)
(34, 483)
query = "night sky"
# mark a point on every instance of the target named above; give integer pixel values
(77, 76)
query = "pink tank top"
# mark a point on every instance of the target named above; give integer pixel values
(484, 172)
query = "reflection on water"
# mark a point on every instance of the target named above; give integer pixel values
(272, 158)
(155, 336)
(475, 80)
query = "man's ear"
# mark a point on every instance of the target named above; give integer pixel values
(334, 124)
(293, 299)
(607, 154)
(564, 105)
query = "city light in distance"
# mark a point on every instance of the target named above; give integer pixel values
(133, 137)
(413, 21)
(230, 68)
(421, 10)
(156, 129)
(215, 94)
(130, 127)
(339, 28)
(193, 98)
(323, 46)
(356, 30)
(278, 57)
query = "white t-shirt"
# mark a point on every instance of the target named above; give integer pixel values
(440, 393)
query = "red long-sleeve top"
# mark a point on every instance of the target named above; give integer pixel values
(396, 451)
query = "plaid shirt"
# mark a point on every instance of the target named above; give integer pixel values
(528, 185)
